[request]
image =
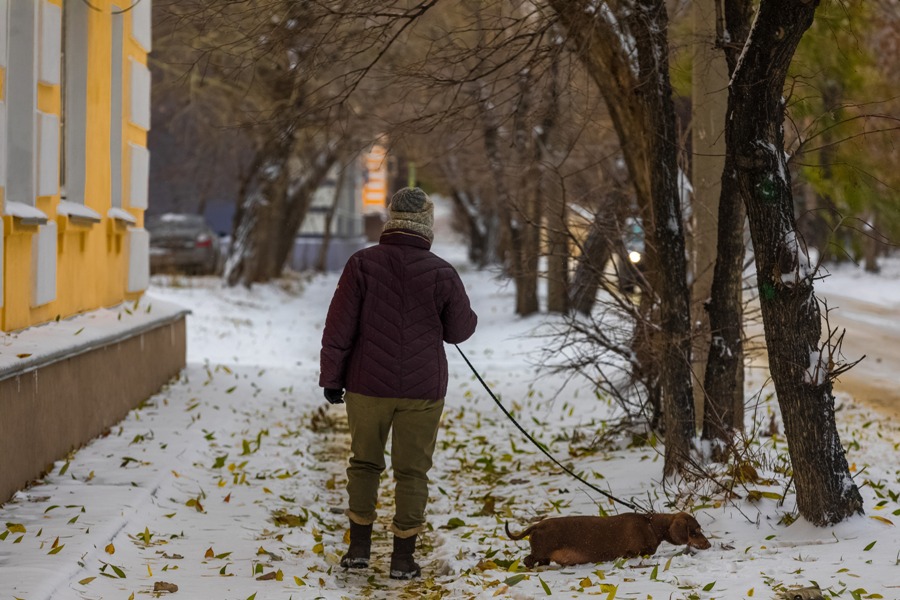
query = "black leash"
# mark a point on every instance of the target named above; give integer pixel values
(538, 444)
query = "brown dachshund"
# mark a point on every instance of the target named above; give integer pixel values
(579, 540)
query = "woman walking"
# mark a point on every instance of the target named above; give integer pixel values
(395, 305)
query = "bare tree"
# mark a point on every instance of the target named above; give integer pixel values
(624, 48)
(723, 383)
(802, 366)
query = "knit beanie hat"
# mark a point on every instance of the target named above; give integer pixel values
(411, 209)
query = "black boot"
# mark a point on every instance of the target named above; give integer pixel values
(357, 556)
(402, 564)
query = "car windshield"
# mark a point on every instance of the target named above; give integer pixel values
(173, 221)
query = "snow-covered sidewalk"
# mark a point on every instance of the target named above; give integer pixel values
(229, 483)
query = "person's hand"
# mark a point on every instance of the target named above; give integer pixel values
(334, 396)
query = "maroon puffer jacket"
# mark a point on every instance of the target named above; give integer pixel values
(395, 305)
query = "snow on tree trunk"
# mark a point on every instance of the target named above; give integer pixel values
(626, 53)
(798, 360)
(723, 381)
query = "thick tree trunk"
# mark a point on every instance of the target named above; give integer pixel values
(595, 253)
(556, 227)
(528, 207)
(298, 197)
(322, 259)
(557, 256)
(510, 225)
(271, 212)
(251, 223)
(799, 364)
(709, 101)
(481, 225)
(639, 98)
(723, 382)
(870, 243)
(667, 234)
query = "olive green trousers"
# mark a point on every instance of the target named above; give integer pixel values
(413, 425)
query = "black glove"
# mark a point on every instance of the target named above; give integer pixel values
(334, 396)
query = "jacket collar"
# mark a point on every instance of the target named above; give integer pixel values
(404, 237)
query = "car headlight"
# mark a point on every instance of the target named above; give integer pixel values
(634, 256)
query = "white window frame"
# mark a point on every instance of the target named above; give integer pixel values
(4, 11)
(138, 259)
(2, 141)
(50, 43)
(1, 262)
(117, 91)
(142, 24)
(139, 176)
(43, 256)
(74, 122)
(48, 154)
(4, 24)
(21, 104)
(139, 112)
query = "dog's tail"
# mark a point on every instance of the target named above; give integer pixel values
(514, 536)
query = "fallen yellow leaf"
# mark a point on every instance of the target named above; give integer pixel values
(209, 553)
(110, 549)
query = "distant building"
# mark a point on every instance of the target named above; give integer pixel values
(346, 212)
(74, 116)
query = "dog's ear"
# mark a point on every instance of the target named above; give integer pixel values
(678, 530)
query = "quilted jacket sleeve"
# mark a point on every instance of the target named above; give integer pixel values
(341, 327)
(458, 318)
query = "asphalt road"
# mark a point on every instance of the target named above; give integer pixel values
(874, 331)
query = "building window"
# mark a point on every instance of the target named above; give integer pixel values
(116, 112)
(21, 104)
(74, 113)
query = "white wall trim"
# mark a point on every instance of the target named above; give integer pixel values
(50, 43)
(138, 259)
(2, 139)
(43, 253)
(4, 23)
(140, 95)
(75, 99)
(48, 154)
(122, 215)
(142, 24)
(1, 263)
(139, 176)
(117, 108)
(20, 90)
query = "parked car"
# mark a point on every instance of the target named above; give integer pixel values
(183, 243)
(629, 264)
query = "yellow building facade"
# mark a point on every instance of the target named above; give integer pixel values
(74, 116)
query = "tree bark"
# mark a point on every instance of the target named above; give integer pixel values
(639, 99)
(798, 362)
(528, 207)
(556, 227)
(709, 101)
(723, 382)
(322, 259)
(595, 253)
(272, 209)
